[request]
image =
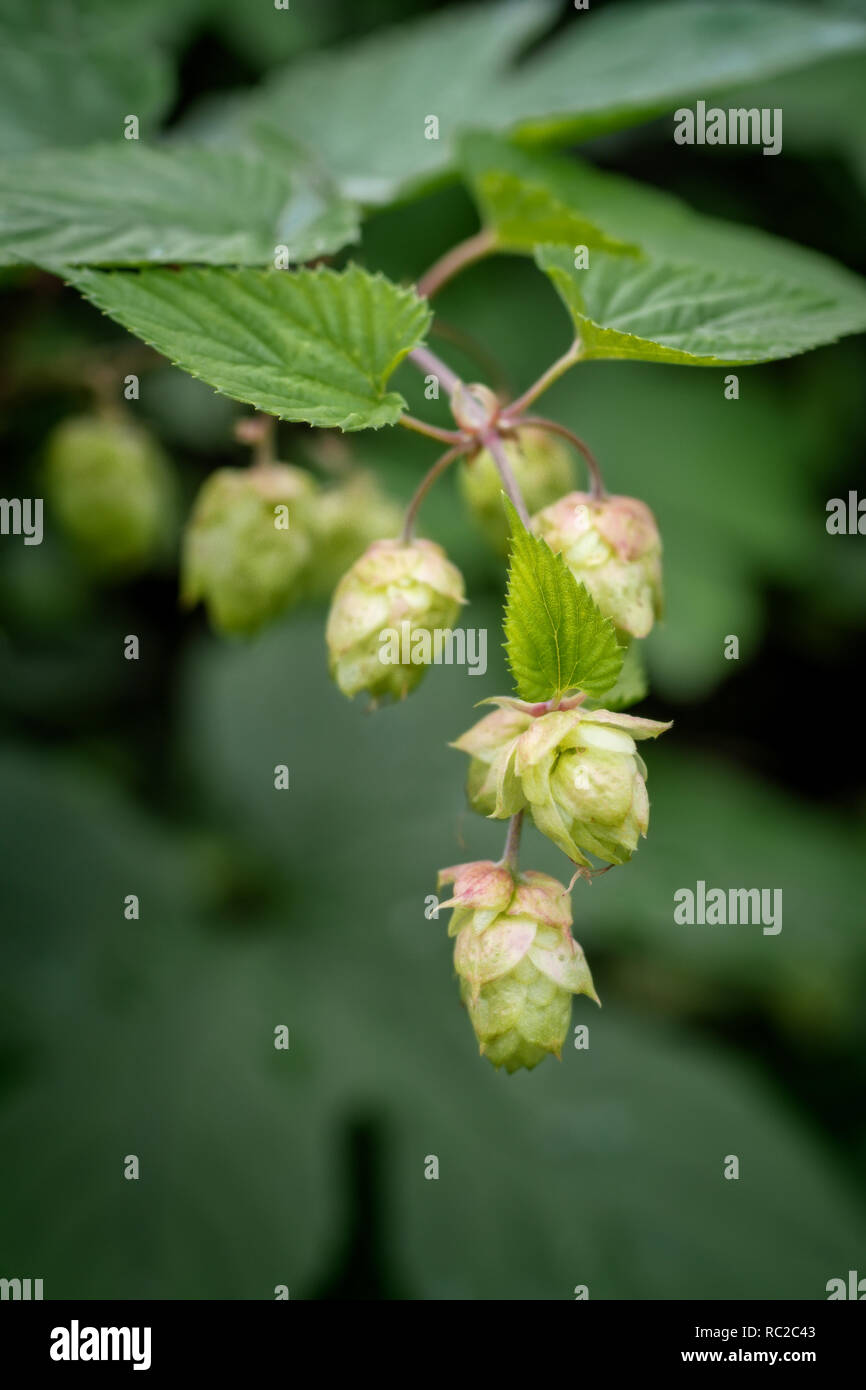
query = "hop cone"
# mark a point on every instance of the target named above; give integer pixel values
(517, 960)
(611, 545)
(112, 491)
(247, 544)
(577, 771)
(542, 468)
(393, 589)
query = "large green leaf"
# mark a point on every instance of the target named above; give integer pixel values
(529, 197)
(71, 74)
(556, 637)
(124, 203)
(598, 72)
(658, 311)
(687, 288)
(313, 345)
(634, 61)
(363, 107)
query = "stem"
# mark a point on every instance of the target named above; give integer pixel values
(598, 489)
(512, 842)
(103, 385)
(474, 248)
(431, 431)
(264, 451)
(444, 461)
(427, 362)
(259, 432)
(492, 441)
(553, 373)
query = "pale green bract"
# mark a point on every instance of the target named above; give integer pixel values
(576, 771)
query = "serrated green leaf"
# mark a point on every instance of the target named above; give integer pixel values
(556, 638)
(311, 345)
(630, 687)
(655, 311)
(694, 286)
(125, 203)
(528, 197)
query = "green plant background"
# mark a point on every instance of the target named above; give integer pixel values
(306, 907)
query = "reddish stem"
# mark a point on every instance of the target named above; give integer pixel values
(444, 461)
(474, 248)
(598, 489)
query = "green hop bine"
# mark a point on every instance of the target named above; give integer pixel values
(543, 470)
(576, 771)
(112, 491)
(612, 545)
(384, 613)
(247, 545)
(517, 960)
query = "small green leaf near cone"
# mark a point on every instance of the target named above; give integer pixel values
(556, 637)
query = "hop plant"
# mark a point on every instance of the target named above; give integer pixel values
(576, 771)
(517, 960)
(112, 490)
(612, 545)
(543, 470)
(247, 545)
(393, 594)
(346, 519)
